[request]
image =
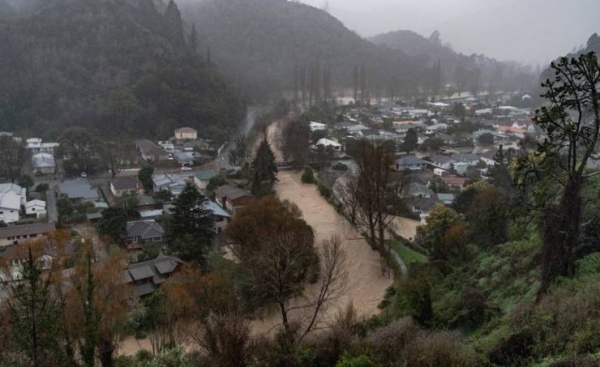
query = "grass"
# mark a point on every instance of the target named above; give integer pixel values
(408, 255)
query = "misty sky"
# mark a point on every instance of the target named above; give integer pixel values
(530, 31)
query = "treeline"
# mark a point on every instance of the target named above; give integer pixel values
(120, 69)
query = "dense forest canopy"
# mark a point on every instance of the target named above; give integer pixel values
(119, 68)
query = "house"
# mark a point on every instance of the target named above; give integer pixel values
(514, 131)
(10, 207)
(43, 163)
(201, 178)
(188, 158)
(147, 276)
(344, 125)
(455, 182)
(49, 148)
(442, 161)
(36, 208)
(144, 231)
(447, 199)
(317, 126)
(418, 190)
(151, 152)
(422, 207)
(168, 182)
(440, 172)
(232, 198)
(220, 216)
(488, 158)
(8, 188)
(460, 168)
(186, 133)
(120, 186)
(13, 235)
(167, 146)
(329, 144)
(34, 145)
(78, 190)
(470, 159)
(356, 129)
(410, 163)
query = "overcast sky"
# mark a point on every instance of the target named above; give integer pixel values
(529, 31)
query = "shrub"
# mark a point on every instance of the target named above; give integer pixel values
(360, 361)
(308, 176)
(440, 348)
(340, 167)
(325, 191)
(388, 342)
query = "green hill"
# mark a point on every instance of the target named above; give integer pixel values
(119, 68)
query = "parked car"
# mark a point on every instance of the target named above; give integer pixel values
(83, 175)
(186, 168)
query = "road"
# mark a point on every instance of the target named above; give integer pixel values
(221, 162)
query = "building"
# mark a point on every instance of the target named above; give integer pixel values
(10, 188)
(143, 232)
(147, 276)
(317, 126)
(447, 199)
(220, 216)
(167, 146)
(329, 144)
(120, 186)
(151, 152)
(43, 163)
(78, 190)
(442, 161)
(470, 159)
(10, 236)
(422, 207)
(34, 145)
(460, 168)
(455, 182)
(232, 198)
(168, 182)
(10, 207)
(186, 133)
(418, 190)
(36, 208)
(410, 163)
(201, 178)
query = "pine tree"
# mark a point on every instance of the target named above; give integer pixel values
(355, 84)
(35, 314)
(194, 41)
(174, 25)
(208, 57)
(265, 170)
(192, 220)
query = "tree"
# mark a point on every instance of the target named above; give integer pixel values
(191, 229)
(35, 311)
(486, 139)
(80, 150)
(113, 223)
(194, 40)
(571, 121)
(265, 170)
(12, 157)
(488, 216)
(42, 188)
(145, 177)
(308, 176)
(237, 156)
(439, 235)
(26, 181)
(410, 141)
(174, 25)
(296, 142)
(276, 245)
(499, 173)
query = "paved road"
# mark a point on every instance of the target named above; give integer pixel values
(221, 162)
(51, 206)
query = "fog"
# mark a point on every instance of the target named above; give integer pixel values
(529, 31)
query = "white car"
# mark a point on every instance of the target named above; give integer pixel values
(83, 175)
(186, 168)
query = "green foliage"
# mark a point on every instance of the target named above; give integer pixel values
(308, 176)
(113, 223)
(360, 361)
(325, 190)
(42, 188)
(26, 181)
(410, 141)
(216, 182)
(191, 229)
(145, 177)
(265, 170)
(174, 357)
(340, 167)
(439, 235)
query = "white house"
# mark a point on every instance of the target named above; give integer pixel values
(167, 146)
(442, 161)
(169, 182)
(317, 126)
(14, 189)
(36, 207)
(34, 145)
(186, 133)
(43, 163)
(326, 143)
(461, 168)
(10, 206)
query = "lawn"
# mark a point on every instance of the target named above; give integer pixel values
(408, 255)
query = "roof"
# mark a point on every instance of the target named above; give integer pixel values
(37, 228)
(144, 229)
(231, 192)
(10, 187)
(148, 147)
(327, 143)
(416, 189)
(455, 180)
(409, 160)
(151, 213)
(144, 200)
(442, 159)
(216, 209)
(166, 179)
(79, 188)
(155, 270)
(205, 175)
(32, 203)
(10, 201)
(446, 197)
(317, 124)
(125, 183)
(465, 157)
(42, 160)
(424, 204)
(186, 130)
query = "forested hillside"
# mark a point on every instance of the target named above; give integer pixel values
(119, 68)
(259, 43)
(465, 72)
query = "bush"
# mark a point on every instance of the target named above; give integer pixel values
(340, 167)
(440, 348)
(325, 191)
(43, 187)
(308, 176)
(388, 342)
(360, 361)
